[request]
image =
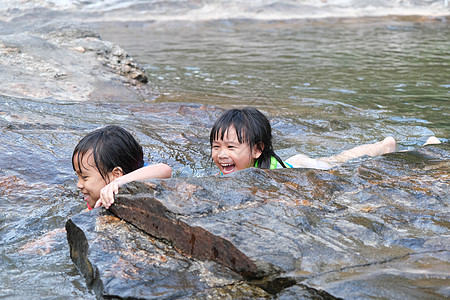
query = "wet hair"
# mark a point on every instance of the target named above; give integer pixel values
(252, 127)
(111, 146)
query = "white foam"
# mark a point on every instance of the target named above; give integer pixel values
(271, 10)
(190, 10)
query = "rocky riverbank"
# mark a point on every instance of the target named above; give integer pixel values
(68, 62)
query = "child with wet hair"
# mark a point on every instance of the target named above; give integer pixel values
(104, 160)
(107, 158)
(242, 138)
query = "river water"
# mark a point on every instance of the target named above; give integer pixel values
(327, 84)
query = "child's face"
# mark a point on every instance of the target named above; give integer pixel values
(229, 155)
(90, 181)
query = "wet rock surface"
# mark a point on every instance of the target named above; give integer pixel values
(350, 232)
(67, 61)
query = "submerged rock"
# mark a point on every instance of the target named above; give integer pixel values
(349, 232)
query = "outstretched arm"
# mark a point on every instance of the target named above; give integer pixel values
(149, 172)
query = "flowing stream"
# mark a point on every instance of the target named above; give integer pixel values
(327, 84)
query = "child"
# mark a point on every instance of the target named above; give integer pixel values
(108, 158)
(242, 138)
(103, 160)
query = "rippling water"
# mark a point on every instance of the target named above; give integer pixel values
(326, 84)
(376, 77)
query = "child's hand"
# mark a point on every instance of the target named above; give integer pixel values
(107, 194)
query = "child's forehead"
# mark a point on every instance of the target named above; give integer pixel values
(231, 134)
(83, 161)
(83, 155)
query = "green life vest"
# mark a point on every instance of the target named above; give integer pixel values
(274, 164)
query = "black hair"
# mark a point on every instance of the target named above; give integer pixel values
(111, 146)
(252, 127)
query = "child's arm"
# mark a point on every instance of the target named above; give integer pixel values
(153, 171)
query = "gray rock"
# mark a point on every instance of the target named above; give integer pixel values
(68, 62)
(348, 232)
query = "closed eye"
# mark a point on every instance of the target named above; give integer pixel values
(82, 177)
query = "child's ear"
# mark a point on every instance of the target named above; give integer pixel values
(257, 150)
(117, 172)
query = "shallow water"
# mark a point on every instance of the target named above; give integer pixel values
(326, 84)
(368, 77)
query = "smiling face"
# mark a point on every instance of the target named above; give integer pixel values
(230, 155)
(90, 181)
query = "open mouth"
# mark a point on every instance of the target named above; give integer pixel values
(86, 198)
(228, 168)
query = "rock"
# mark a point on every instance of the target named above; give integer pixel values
(73, 64)
(119, 261)
(348, 232)
(192, 241)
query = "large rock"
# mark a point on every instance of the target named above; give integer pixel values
(68, 62)
(349, 232)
